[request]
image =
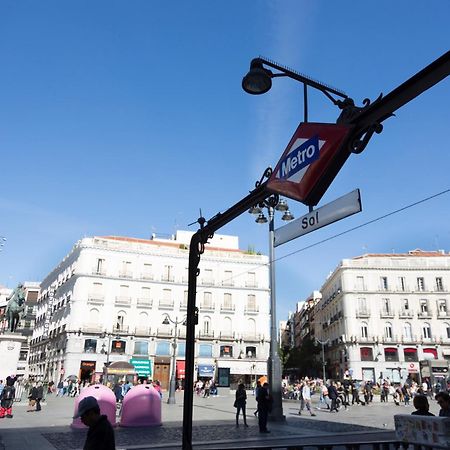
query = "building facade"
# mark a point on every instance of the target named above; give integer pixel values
(382, 315)
(106, 301)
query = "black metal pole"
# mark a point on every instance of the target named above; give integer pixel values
(305, 102)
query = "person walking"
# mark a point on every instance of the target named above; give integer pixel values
(1, 387)
(264, 407)
(333, 395)
(39, 396)
(306, 395)
(101, 434)
(258, 387)
(32, 397)
(239, 404)
(324, 395)
(207, 388)
(443, 399)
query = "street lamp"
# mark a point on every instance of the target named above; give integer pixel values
(172, 385)
(272, 204)
(324, 363)
(107, 351)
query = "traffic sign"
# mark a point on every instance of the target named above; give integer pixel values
(310, 162)
(340, 208)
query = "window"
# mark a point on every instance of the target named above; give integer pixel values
(208, 277)
(364, 330)
(205, 350)
(141, 348)
(405, 303)
(227, 301)
(120, 321)
(94, 316)
(410, 355)
(362, 305)
(407, 330)
(118, 346)
(384, 283)
(388, 330)
(402, 284)
(147, 274)
(181, 348)
(126, 269)
(143, 320)
(207, 300)
(90, 345)
(207, 326)
(250, 352)
(360, 283)
(163, 348)
(442, 306)
(251, 279)
(228, 278)
(447, 330)
(251, 327)
(251, 302)
(390, 354)
(124, 291)
(366, 354)
(145, 293)
(226, 351)
(439, 285)
(423, 306)
(420, 284)
(426, 331)
(100, 266)
(167, 297)
(168, 273)
(386, 306)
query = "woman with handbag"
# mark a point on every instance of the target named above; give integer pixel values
(240, 402)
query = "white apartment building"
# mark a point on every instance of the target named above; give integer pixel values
(106, 301)
(383, 314)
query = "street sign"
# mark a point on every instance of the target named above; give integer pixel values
(310, 162)
(340, 208)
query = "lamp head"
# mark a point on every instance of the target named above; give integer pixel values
(255, 210)
(261, 218)
(287, 216)
(165, 321)
(282, 205)
(258, 79)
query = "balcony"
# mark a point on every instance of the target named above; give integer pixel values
(142, 331)
(390, 340)
(183, 306)
(122, 301)
(127, 275)
(443, 315)
(206, 334)
(144, 302)
(362, 314)
(251, 284)
(147, 276)
(226, 335)
(424, 315)
(165, 304)
(366, 340)
(406, 314)
(91, 328)
(410, 339)
(387, 314)
(251, 309)
(207, 281)
(96, 299)
(207, 306)
(99, 272)
(252, 337)
(227, 308)
(166, 332)
(122, 329)
(228, 283)
(168, 278)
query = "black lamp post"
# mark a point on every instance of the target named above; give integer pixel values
(172, 384)
(272, 204)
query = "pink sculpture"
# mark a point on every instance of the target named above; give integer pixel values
(141, 407)
(106, 400)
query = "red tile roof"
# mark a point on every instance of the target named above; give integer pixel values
(412, 253)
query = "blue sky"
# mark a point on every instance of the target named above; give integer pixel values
(125, 118)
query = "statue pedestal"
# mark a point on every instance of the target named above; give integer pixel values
(10, 345)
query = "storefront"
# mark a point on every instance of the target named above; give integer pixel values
(87, 370)
(231, 372)
(181, 373)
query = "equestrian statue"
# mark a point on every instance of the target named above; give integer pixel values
(15, 308)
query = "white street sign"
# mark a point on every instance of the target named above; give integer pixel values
(340, 208)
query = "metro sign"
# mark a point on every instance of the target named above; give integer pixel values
(312, 159)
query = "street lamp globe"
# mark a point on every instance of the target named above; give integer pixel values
(258, 80)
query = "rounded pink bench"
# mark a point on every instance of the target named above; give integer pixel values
(106, 400)
(141, 407)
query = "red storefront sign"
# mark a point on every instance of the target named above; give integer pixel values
(181, 369)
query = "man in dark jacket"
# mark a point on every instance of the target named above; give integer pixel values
(7, 398)
(39, 396)
(333, 395)
(101, 434)
(264, 406)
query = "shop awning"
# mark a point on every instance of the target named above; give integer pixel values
(430, 351)
(410, 350)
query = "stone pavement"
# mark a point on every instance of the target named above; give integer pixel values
(213, 423)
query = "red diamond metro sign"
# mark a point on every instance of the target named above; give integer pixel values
(312, 159)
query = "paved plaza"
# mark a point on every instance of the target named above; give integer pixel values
(213, 423)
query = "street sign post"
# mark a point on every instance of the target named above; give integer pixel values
(340, 208)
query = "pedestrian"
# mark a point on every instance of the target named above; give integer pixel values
(32, 397)
(7, 398)
(333, 395)
(443, 399)
(324, 395)
(355, 392)
(207, 388)
(39, 396)
(306, 394)
(264, 407)
(240, 402)
(1, 387)
(118, 392)
(60, 389)
(101, 434)
(258, 387)
(157, 386)
(422, 406)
